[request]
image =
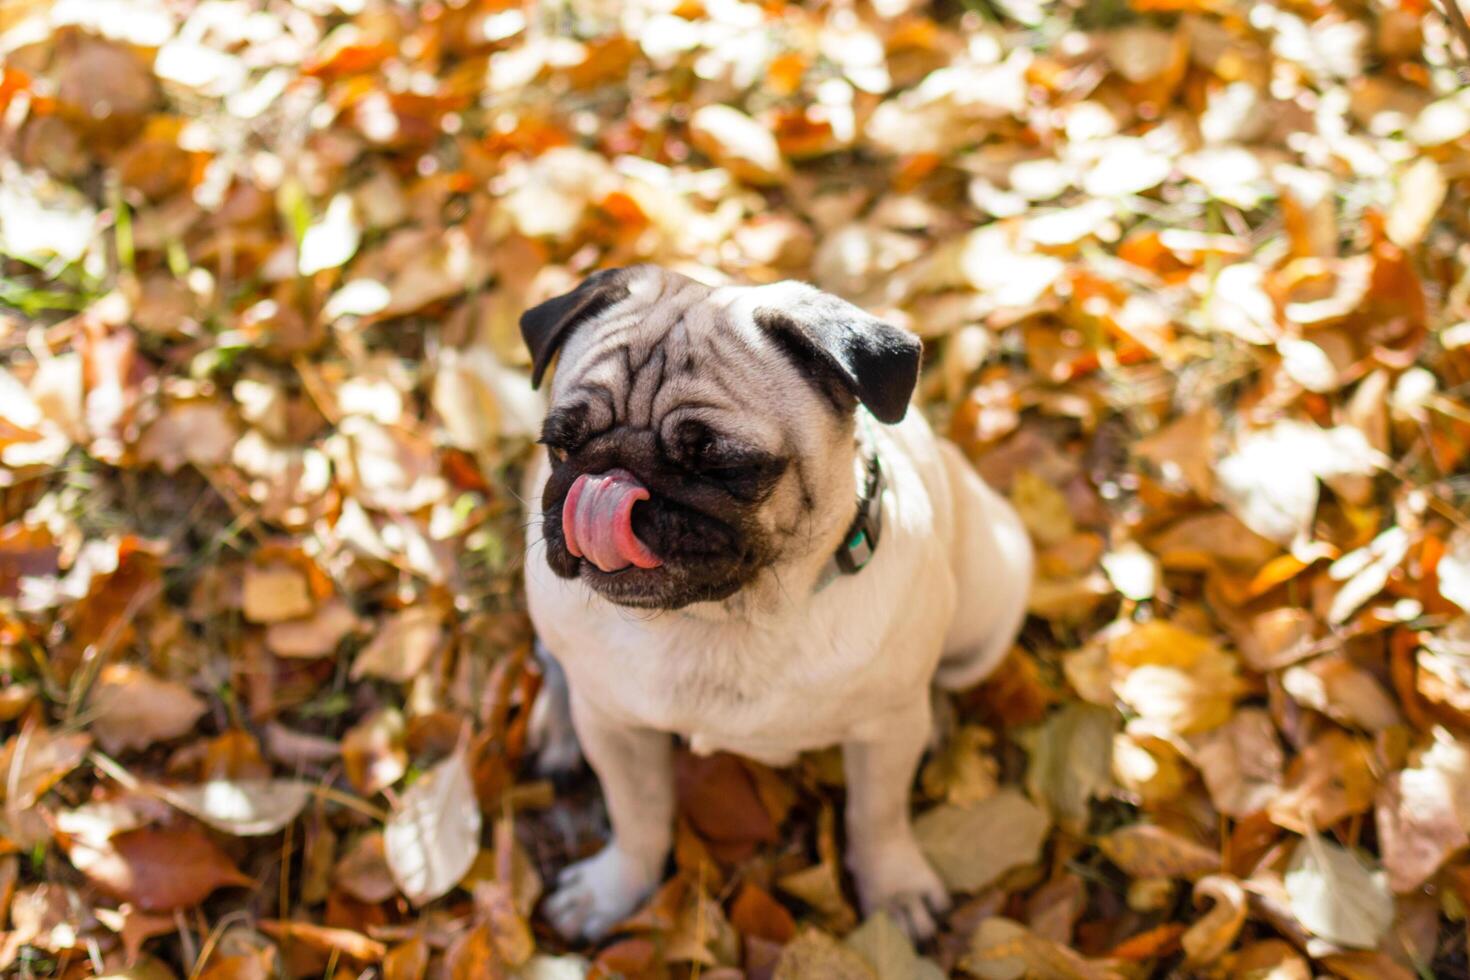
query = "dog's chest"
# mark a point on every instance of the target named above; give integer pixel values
(766, 694)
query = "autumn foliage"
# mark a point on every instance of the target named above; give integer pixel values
(1194, 282)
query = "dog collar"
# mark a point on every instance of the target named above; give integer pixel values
(861, 540)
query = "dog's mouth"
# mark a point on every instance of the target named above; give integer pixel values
(643, 550)
(597, 521)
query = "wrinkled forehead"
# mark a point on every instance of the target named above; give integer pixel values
(676, 349)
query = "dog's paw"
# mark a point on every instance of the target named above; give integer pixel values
(594, 895)
(898, 879)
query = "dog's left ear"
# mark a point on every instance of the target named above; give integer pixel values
(546, 327)
(834, 341)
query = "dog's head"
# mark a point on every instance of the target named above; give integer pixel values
(701, 436)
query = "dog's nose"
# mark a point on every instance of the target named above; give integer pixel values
(597, 521)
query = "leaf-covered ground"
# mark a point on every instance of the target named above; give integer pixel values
(1195, 285)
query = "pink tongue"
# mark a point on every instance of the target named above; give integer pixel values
(597, 521)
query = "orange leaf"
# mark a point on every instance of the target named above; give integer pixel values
(328, 940)
(718, 796)
(1160, 941)
(755, 913)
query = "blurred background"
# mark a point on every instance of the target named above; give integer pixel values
(1192, 277)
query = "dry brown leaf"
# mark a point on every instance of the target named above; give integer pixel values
(1215, 932)
(1343, 691)
(1365, 572)
(157, 870)
(363, 871)
(198, 432)
(1148, 768)
(132, 709)
(1273, 958)
(1453, 570)
(34, 760)
(1002, 949)
(1241, 762)
(1332, 778)
(1419, 825)
(373, 752)
(316, 636)
(402, 648)
(1421, 191)
(1147, 851)
(276, 592)
(328, 940)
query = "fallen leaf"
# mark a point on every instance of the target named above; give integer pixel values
(363, 870)
(815, 955)
(1043, 508)
(1212, 935)
(1152, 944)
(373, 752)
(718, 797)
(1148, 851)
(1421, 191)
(245, 808)
(1419, 825)
(331, 241)
(973, 845)
(324, 938)
(889, 952)
(1365, 572)
(35, 759)
(738, 143)
(1002, 949)
(1453, 569)
(1336, 896)
(200, 433)
(157, 870)
(755, 913)
(316, 636)
(1332, 778)
(1148, 768)
(1342, 691)
(1071, 762)
(1271, 479)
(402, 647)
(510, 933)
(132, 709)
(408, 960)
(1173, 677)
(1272, 959)
(432, 836)
(963, 770)
(1241, 762)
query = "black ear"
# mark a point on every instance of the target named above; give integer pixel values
(837, 344)
(546, 327)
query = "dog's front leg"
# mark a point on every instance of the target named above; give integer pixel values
(635, 769)
(891, 871)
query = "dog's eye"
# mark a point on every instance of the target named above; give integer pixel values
(557, 453)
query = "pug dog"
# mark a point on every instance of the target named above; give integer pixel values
(749, 542)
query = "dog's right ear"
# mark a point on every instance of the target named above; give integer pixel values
(547, 326)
